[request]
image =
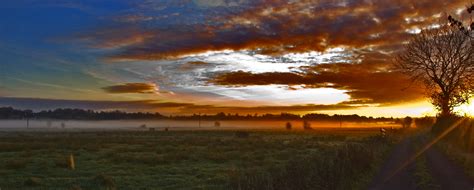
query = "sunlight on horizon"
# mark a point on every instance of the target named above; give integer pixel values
(466, 109)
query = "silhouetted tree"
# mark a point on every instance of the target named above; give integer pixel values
(442, 59)
(407, 122)
(464, 26)
(306, 125)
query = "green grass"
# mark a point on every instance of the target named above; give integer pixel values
(189, 160)
(424, 179)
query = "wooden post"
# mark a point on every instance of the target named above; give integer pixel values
(72, 164)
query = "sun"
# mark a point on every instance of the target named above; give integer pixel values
(467, 109)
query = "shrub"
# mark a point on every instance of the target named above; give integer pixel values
(442, 123)
(288, 126)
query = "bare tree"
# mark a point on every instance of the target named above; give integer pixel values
(464, 25)
(442, 59)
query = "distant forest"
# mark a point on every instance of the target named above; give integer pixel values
(80, 114)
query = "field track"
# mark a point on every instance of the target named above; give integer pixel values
(445, 174)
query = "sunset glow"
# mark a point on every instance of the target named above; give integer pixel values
(466, 109)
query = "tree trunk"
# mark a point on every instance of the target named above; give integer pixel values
(445, 107)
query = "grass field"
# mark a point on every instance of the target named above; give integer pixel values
(316, 159)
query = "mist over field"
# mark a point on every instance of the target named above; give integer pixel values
(180, 125)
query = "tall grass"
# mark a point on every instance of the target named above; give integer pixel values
(349, 166)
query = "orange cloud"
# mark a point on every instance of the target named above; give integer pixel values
(132, 88)
(366, 83)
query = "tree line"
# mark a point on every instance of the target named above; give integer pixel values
(80, 114)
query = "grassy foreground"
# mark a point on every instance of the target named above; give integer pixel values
(190, 159)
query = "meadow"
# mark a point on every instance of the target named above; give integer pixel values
(198, 159)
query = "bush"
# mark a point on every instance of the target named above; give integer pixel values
(288, 126)
(442, 123)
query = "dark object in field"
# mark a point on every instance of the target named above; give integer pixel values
(105, 181)
(217, 124)
(151, 129)
(166, 129)
(63, 125)
(288, 126)
(33, 181)
(306, 125)
(242, 134)
(143, 126)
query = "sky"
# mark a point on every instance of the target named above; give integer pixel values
(209, 56)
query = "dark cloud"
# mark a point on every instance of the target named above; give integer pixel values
(132, 88)
(277, 26)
